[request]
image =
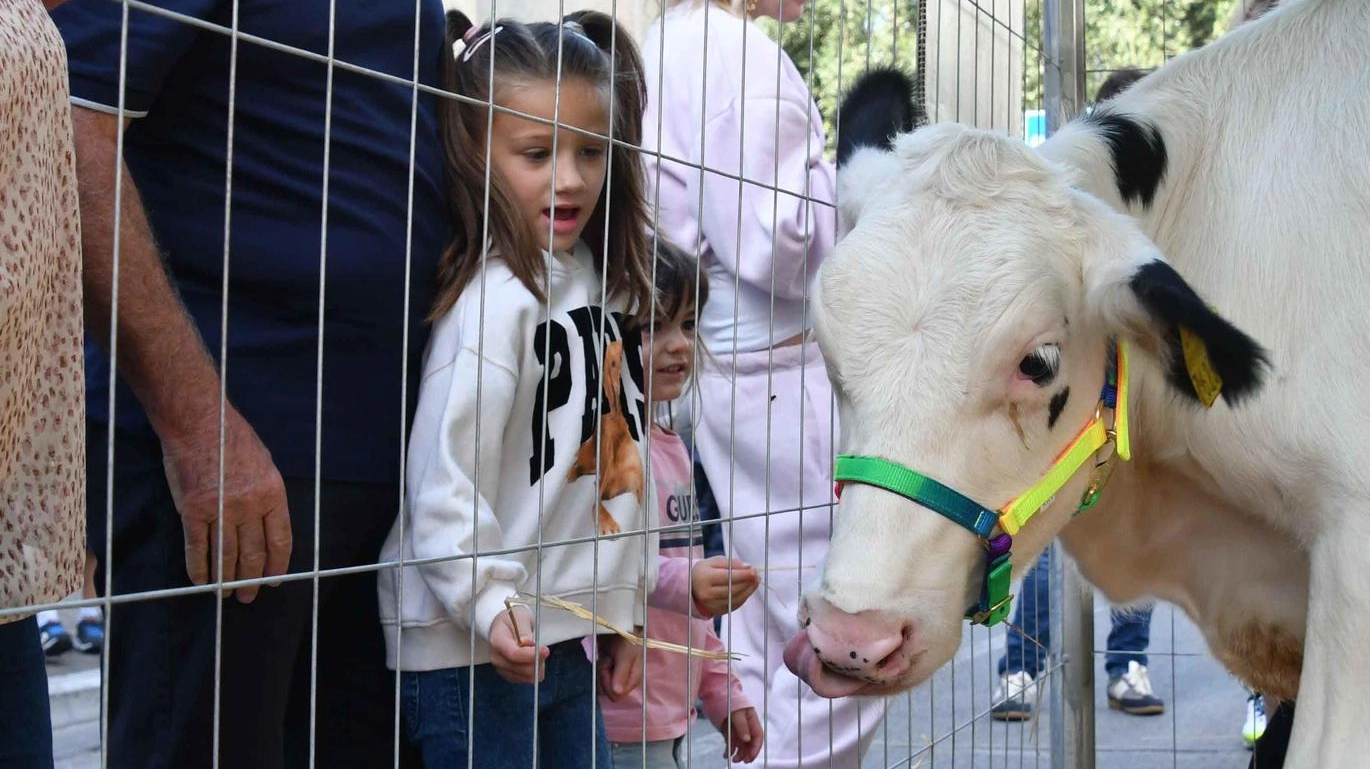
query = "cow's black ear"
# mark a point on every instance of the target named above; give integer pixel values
(877, 107)
(1205, 354)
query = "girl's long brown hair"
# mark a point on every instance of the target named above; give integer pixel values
(591, 46)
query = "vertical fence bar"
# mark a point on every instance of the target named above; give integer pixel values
(1063, 42)
(1072, 700)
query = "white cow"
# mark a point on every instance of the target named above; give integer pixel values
(966, 317)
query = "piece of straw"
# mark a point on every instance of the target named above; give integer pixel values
(571, 607)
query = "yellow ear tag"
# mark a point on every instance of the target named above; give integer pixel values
(1207, 383)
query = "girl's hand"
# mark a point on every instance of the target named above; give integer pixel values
(744, 739)
(720, 585)
(514, 654)
(620, 666)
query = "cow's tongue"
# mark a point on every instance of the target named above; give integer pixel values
(801, 661)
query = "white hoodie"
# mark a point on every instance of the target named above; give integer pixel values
(486, 477)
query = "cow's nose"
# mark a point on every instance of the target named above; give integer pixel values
(872, 646)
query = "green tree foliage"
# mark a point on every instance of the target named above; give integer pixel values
(1146, 33)
(838, 39)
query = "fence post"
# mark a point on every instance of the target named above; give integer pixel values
(1063, 43)
(1072, 699)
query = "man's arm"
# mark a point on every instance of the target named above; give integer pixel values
(164, 361)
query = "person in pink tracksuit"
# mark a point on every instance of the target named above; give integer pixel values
(735, 157)
(646, 728)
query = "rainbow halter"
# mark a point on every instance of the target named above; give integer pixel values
(995, 600)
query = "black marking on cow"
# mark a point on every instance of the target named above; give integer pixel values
(1057, 405)
(853, 655)
(877, 107)
(1139, 154)
(1237, 358)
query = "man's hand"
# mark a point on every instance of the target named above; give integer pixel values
(743, 733)
(256, 526)
(719, 585)
(620, 666)
(165, 363)
(513, 652)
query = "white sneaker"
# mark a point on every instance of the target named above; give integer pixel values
(1131, 692)
(1014, 697)
(1255, 720)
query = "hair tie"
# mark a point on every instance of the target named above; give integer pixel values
(575, 28)
(470, 45)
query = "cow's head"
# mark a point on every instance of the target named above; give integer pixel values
(966, 317)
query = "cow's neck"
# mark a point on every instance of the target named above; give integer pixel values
(1158, 533)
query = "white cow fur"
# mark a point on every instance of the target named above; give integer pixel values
(965, 250)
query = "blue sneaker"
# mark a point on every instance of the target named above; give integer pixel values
(90, 635)
(54, 638)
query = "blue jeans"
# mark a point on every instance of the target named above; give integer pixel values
(1127, 639)
(439, 721)
(25, 720)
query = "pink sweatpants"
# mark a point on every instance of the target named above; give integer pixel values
(765, 440)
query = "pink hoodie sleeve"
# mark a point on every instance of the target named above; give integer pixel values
(770, 141)
(719, 690)
(672, 591)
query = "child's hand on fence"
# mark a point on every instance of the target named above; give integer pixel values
(620, 666)
(513, 652)
(720, 585)
(743, 733)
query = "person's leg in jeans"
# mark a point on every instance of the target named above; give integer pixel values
(1129, 685)
(1127, 639)
(494, 725)
(570, 722)
(1032, 616)
(25, 719)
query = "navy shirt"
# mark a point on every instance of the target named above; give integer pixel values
(179, 84)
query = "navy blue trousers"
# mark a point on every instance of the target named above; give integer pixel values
(162, 684)
(25, 720)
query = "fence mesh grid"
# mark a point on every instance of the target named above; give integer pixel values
(980, 63)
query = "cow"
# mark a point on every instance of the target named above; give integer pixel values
(1172, 289)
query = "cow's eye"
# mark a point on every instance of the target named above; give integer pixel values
(1041, 364)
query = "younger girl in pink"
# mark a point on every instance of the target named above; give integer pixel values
(647, 726)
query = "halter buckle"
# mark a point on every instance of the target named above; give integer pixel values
(994, 614)
(1103, 471)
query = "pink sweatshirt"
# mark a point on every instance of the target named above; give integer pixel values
(738, 114)
(673, 681)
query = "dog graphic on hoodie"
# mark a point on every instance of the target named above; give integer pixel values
(619, 463)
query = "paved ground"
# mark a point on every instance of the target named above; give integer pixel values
(1200, 730)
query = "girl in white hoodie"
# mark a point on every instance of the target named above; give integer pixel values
(526, 461)
(741, 181)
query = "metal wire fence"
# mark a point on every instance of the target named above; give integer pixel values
(1017, 66)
